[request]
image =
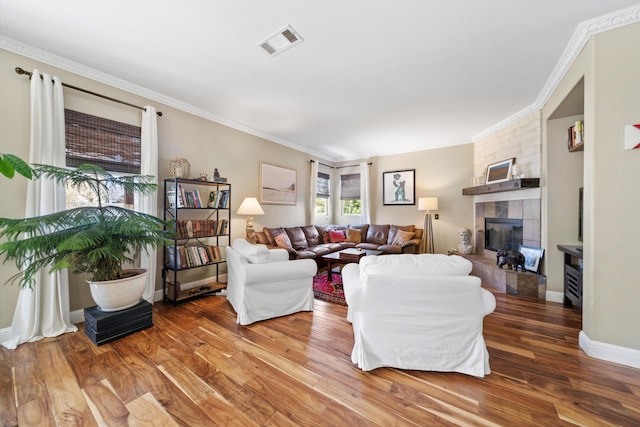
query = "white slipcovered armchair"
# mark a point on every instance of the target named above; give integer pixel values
(420, 312)
(264, 283)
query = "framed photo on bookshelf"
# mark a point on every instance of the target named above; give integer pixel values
(277, 185)
(500, 171)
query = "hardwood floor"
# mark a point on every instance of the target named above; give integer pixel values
(197, 367)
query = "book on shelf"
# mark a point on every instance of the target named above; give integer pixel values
(218, 199)
(575, 135)
(171, 198)
(185, 256)
(189, 228)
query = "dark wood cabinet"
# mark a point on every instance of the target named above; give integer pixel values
(572, 275)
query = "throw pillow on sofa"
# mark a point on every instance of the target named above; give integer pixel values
(336, 236)
(393, 230)
(354, 235)
(283, 241)
(402, 237)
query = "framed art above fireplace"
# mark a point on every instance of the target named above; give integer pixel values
(500, 171)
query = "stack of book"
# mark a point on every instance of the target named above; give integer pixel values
(186, 256)
(352, 254)
(187, 228)
(575, 136)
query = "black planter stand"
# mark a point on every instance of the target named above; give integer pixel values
(103, 327)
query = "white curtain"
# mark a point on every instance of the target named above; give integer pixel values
(313, 192)
(43, 311)
(365, 195)
(149, 204)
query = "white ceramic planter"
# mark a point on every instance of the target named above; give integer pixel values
(114, 295)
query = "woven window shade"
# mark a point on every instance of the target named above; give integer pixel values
(322, 184)
(114, 146)
(350, 186)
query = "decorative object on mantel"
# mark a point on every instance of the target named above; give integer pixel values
(632, 137)
(251, 207)
(500, 171)
(532, 258)
(427, 204)
(513, 259)
(465, 247)
(513, 184)
(179, 168)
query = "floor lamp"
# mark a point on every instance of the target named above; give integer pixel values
(251, 207)
(427, 204)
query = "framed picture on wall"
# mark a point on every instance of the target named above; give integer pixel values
(500, 171)
(277, 185)
(399, 187)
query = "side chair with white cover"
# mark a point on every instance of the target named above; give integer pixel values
(421, 312)
(263, 283)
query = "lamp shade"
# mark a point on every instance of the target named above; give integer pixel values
(428, 204)
(250, 206)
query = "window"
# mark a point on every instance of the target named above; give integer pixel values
(323, 184)
(114, 146)
(350, 193)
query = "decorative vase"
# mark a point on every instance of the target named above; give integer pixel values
(114, 295)
(179, 168)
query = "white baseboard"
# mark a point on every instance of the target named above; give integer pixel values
(609, 352)
(554, 296)
(77, 316)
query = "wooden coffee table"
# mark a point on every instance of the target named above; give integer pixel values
(333, 259)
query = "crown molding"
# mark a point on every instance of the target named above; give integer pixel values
(580, 37)
(54, 60)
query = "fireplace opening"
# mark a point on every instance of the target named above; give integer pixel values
(502, 233)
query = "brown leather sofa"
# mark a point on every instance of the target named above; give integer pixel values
(313, 241)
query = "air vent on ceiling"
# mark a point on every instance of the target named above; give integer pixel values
(281, 40)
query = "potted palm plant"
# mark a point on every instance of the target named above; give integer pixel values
(96, 240)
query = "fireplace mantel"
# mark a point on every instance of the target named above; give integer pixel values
(498, 187)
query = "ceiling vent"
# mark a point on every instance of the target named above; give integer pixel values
(281, 40)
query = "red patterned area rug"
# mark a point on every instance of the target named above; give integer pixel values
(326, 291)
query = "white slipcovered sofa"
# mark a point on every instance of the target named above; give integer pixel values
(420, 312)
(263, 283)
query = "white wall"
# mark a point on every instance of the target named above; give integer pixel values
(610, 66)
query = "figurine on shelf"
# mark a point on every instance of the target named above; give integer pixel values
(216, 175)
(204, 177)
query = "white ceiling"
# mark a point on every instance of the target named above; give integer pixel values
(372, 77)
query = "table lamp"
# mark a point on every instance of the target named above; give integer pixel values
(251, 207)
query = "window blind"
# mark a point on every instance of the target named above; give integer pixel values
(322, 184)
(112, 145)
(350, 186)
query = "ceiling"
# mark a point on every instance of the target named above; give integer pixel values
(372, 77)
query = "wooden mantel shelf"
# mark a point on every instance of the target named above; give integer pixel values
(498, 187)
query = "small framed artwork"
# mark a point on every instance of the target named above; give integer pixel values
(399, 187)
(500, 171)
(532, 258)
(277, 185)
